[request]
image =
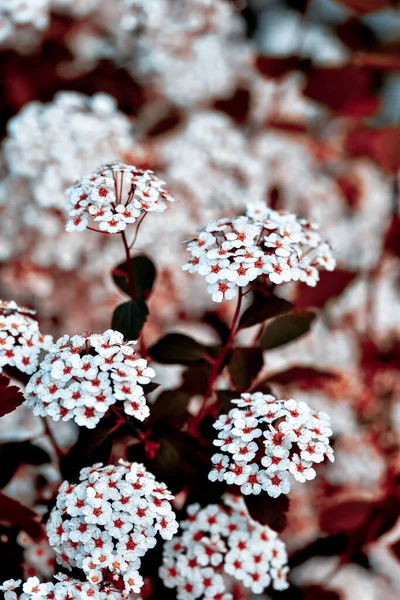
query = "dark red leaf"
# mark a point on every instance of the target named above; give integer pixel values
(392, 238)
(317, 592)
(166, 124)
(350, 190)
(331, 285)
(286, 126)
(262, 308)
(177, 348)
(170, 403)
(344, 516)
(274, 67)
(10, 396)
(302, 376)
(237, 107)
(286, 329)
(364, 6)
(347, 90)
(381, 145)
(244, 366)
(21, 516)
(268, 511)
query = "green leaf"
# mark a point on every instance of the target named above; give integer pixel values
(264, 307)
(177, 348)
(244, 366)
(286, 329)
(170, 403)
(143, 272)
(129, 318)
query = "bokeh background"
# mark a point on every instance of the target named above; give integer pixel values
(293, 102)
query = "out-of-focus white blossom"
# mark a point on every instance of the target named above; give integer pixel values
(22, 22)
(218, 544)
(107, 522)
(82, 376)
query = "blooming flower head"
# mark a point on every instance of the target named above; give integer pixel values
(20, 339)
(232, 253)
(82, 376)
(114, 196)
(65, 588)
(107, 522)
(265, 440)
(220, 544)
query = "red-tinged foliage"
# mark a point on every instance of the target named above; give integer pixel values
(331, 285)
(392, 239)
(381, 145)
(244, 366)
(346, 91)
(286, 126)
(166, 124)
(383, 61)
(18, 515)
(304, 377)
(275, 68)
(268, 511)
(364, 6)
(350, 190)
(344, 515)
(10, 396)
(317, 592)
(237, 106)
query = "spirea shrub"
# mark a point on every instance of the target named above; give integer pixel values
(21, 341)
(265, 440)
(107, 518)
(82, 376)
(106, 523)
(219, 545)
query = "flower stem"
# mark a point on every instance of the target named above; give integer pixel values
(49, 433)
(217, 367)
(129, 272)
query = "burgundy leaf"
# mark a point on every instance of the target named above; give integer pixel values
(10, 396)
(268, 511)
(344, 516)
(346, 90)
(303, 376)
(330, 285)
(21, 516)
(382, 145)
(244, 366)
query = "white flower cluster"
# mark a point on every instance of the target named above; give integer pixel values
(220, 543)
(115, 195)
(234, 252)
(65, 588)
(82, 376)
(107, 522)
(21, 23)
(264, 440)
(20, 339)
